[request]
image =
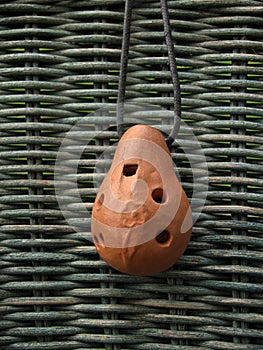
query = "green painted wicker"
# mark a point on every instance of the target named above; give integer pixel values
(59, 61)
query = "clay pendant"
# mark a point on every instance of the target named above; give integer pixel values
(141, 218)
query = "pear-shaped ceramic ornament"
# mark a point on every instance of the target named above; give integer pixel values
(141, 218)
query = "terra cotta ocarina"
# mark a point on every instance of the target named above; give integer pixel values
(141, 218)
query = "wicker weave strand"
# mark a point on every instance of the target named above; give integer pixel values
(59, 63)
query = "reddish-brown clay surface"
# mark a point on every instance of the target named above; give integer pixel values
(141, 219)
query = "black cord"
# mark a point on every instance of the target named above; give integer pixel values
(124, 68)
(174, 73)
(124, 64)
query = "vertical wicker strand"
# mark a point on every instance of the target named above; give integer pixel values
(237, 188)
(173, 297)
(105, 142)
(35, 191)
(171, 281)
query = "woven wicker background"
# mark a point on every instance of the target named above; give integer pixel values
(59, 61)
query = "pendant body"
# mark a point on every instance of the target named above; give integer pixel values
(141, 218)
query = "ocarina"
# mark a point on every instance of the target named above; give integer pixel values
(141, 219)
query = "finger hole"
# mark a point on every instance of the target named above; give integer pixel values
(158, 195)
(129, 169)
(163, 237)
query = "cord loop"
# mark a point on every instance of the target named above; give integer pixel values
(124, 68)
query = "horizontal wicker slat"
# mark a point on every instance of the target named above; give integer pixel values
(59, 63)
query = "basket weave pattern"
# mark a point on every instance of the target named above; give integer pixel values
(59, 61)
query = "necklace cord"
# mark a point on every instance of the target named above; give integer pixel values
(124, 69)
(174, 73)
(124, 65)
